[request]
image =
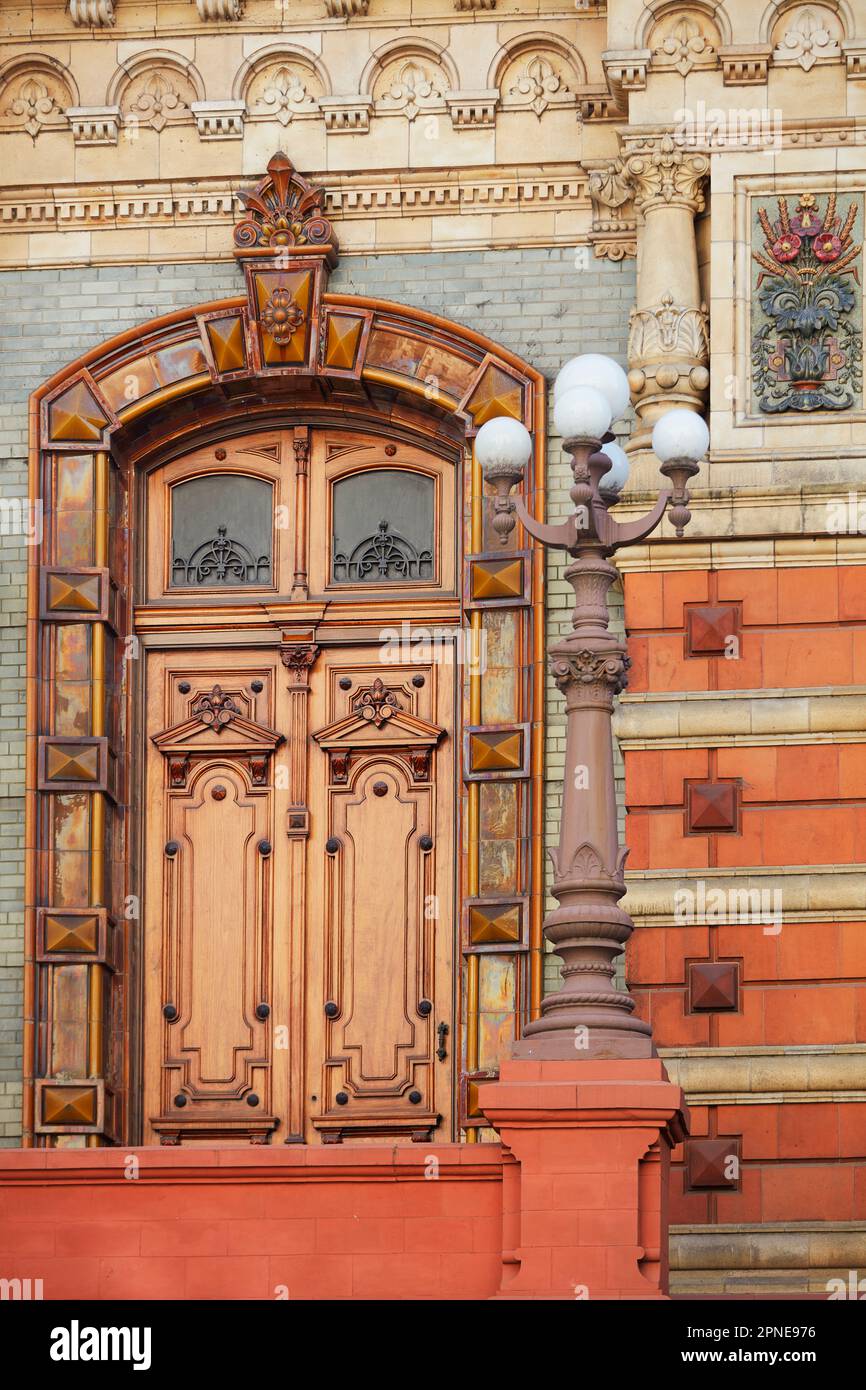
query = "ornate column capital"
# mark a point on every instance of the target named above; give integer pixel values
(664, 173)
(299, 658)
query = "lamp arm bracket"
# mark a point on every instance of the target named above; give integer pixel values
(626, 532)
(564, 535)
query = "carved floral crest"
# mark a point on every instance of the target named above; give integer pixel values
(284, 210)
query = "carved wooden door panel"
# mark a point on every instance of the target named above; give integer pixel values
(380, 964)
(213, 957)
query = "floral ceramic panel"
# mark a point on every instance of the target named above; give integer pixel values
(807, 302)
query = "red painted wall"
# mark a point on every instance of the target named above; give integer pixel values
(420, 1221)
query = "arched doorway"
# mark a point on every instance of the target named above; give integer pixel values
(284, 788)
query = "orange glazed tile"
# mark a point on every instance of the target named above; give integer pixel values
(858, 657)
(643, 778)
(668, 669)
(852, 1131)
(808, 1192)
(852, 948)
(852, 770)
(638, 653)
(681, 944)
(746, 671)
(745, 1028)
(757, 768)
(758, 1125)
(852, 593)
(683, 586)
(809, 951)
(808, 773)
(637, 839)
(808, 595)
(809, 835)
(810, 1014)
(808, 657)
(672, 1026)
(758, 950)
(809, 1131)
(677, 765)
(746, 1203)
(746, 848)
(645, 957)
(670, 848)
(757, 590)
(643, 601)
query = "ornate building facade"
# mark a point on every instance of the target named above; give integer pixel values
(282, 759)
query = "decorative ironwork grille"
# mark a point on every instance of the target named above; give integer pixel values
(221, 560)
(386, 555)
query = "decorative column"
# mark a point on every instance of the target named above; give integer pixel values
(298, 654)
(585, 1107)
(668, 345)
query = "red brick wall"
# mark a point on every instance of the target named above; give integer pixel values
(801, 804)
(332, 1223)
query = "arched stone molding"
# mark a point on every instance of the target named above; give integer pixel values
(155, 88)
(805, 34)
(537, 71)
(783, 9)
(655, 11)
(36, 91)
(408, 77)
(682, 38)
(281, 82)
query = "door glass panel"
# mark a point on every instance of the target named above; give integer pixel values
(383, 527)
(221, 531)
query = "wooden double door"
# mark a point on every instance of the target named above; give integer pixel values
(299, 897)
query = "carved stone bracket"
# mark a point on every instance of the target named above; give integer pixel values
(92, 14)
(221, 10)
(613, 233)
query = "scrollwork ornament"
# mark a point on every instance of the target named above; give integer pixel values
(586, 667)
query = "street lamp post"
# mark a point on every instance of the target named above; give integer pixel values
(589, 1016)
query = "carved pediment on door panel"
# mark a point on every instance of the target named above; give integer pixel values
(216, 725)
(400, 730)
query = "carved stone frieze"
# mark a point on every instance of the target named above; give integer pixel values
(807, 36)
(585, 667)
(681, 43)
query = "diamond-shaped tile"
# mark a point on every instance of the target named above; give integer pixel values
(74, 594)
(713, 985)
(709, 627)
(69, 1105)
(497, 579)
(712, 807)
(226, 339)
(75, 417)
(343, 338)
(495, 923)
(73, 764)
(496, 750)
(713, 1163)
(497, 393)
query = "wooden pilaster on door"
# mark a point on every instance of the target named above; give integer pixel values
(298, 657)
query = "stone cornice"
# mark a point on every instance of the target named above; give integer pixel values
(355, 202)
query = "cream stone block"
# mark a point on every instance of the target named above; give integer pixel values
(136, 159)
(435, 144)
(799, 161)
(359, 235)
(461, 230)
(706, 716)
(36, 164)
(397, 233)
(53, 248)
(181, 149)
(788, 714)
(306, 142)
(385, 146)
(14, 250)
(218, 58)
(178, 243)
(851, 158)
(472, 48)
(524, 228)
(821, 90)
(522, 137)
(311, 39)
(122, 244)
(837, 713)
(345, 53)
(131, 48)
(574, 224)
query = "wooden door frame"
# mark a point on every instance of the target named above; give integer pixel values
(92, 440)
